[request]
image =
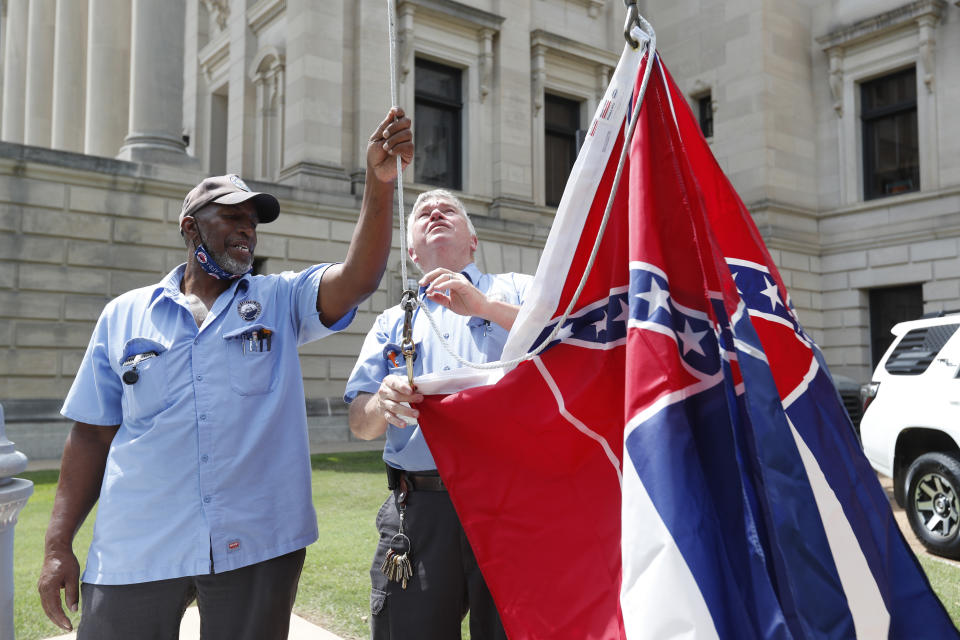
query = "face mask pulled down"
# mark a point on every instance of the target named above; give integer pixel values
(205, 258)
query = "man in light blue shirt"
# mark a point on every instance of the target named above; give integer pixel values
(191, 424)
(475, 311)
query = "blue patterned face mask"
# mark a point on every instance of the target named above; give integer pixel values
(208, 264)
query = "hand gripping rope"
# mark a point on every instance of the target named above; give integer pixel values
(409, 297)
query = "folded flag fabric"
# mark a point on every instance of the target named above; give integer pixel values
(677, 462)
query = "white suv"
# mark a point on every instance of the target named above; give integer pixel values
(911, 427)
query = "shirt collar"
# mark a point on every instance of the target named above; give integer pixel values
(169, 286)
(471, 271)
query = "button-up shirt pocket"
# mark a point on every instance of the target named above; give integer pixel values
(252, 361)
(143, 370)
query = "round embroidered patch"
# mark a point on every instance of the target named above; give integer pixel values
(238, 183)
(249, 310)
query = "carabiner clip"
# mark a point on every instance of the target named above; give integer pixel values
(633, 20)
(408, 302)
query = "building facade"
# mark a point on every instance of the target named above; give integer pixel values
(838, 121)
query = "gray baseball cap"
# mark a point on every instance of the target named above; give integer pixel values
(229, 189)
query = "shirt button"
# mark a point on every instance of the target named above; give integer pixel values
(204, 458)
(446, 335)
(207, 499)
(196, 341)
(203, 416)
(199, 378)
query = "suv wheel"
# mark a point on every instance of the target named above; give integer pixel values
(933, 502)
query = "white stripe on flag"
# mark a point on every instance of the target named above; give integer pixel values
(870, 616)
(581, 427)
(658, 595)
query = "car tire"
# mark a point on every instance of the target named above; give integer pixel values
(933, 502)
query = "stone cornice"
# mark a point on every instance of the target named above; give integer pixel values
(461, 13)
(882, 23)
(943, 224)
(77, 168)
(891, 202)
(783, 207)
(594, 7)
(216, 52)
(947, 227)
(263, 13)
(566, 47)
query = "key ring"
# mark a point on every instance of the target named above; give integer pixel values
(403, 540)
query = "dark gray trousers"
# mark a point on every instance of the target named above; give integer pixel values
(446, 579)
(250, 603)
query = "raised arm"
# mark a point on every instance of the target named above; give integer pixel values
(81, 473)
(345, 285)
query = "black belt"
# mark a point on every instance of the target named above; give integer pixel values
(415, 480)
(425, 481)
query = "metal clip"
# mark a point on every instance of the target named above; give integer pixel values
(408, 302)
(633, 20)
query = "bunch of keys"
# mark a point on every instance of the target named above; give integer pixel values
(396, 566)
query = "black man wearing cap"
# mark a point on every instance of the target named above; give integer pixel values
(191, 425)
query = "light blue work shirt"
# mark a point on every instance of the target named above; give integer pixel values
(473, 338)
(212, 458)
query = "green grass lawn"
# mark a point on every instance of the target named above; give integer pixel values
(334, 590)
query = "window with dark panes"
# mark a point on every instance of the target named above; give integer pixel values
(891, 151)
(705, 114)
(437, 113)
(562, 118)
(889, 306)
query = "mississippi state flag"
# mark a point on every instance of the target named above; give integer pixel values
(676, 463)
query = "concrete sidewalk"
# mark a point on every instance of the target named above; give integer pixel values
(300, 629)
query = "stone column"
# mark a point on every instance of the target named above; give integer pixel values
(14, 71)
(69, 53)
(108, 75)
(14, 493)
(313, 154)
(156, 83)
(39, 73)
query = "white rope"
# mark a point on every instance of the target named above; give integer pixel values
(651, 46)
(395, 97)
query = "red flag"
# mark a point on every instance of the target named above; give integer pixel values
(676, 462)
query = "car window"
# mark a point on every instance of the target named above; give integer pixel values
(918, 348)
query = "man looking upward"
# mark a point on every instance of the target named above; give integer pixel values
(475, 311)
(191, 424)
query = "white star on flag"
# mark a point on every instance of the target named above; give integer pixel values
(655, 298)
(600, 324)
(624, 314)
(565, 332)
(772, 293)
(691, 339)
